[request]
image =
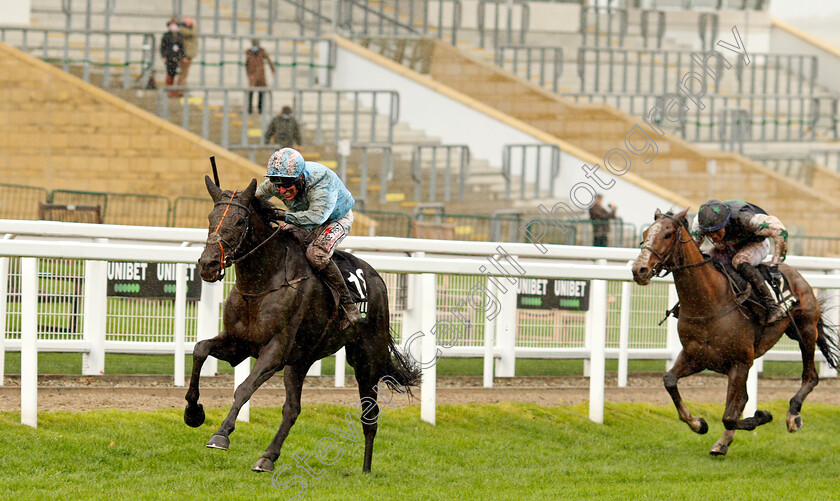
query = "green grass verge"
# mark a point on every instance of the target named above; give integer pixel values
(503, 451)
(71, 363)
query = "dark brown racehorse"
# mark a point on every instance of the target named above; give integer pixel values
(280, 313)
(718, 335)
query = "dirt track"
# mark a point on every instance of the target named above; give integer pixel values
(79, 393)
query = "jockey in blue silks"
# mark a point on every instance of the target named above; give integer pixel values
(319, 213)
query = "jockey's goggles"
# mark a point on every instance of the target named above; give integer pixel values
(283, 182)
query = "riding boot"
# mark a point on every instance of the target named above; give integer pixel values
(349, 311)
(774, 312)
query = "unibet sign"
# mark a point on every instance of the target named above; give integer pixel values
(150, 280)
(552, 294)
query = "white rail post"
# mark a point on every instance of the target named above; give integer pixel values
(506, 332)
(752, 387)
(832, 309)
(29, 341)
(340, 360)
(489, 339)
(207, 321)
(4, 301)
(314, 369)
(96, 309)
(624, 333)
(672, 337)
(412, 318)
(240, 373)
(180, 321)
(598, 348)
(428, 346)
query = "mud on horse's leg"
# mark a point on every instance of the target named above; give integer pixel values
(810, 378)
(683, 367)
(219, 348)
(736, 400)
(266, 365)
(293, 380)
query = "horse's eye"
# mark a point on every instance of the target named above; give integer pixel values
(667, 236)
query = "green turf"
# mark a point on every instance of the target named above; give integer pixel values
(71, 363)
(503, 451)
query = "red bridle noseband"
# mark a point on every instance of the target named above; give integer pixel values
(668, 255)
(226, 259)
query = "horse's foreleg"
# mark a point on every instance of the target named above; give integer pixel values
(266, 365)
(683, 367)
(220, 348)
(736, 400)
(810, 378)
(293, 380)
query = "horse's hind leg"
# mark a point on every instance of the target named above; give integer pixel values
(810, 378)
(266, 365)
(736, 400)
(293, 380)
(369, 415)
(683, 367)
(219, 347)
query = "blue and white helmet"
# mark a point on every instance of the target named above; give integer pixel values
(286, 162)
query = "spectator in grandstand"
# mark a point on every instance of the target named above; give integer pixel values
(188, 34)
(255, 59)
(172, 50)
(284, 130)
(740, 232)
(319, 213)
(600, 221)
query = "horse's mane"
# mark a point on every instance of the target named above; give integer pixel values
(269, 214)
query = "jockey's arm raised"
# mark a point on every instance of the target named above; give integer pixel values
(771, 227)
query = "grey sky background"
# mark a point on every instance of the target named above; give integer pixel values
(820, 18)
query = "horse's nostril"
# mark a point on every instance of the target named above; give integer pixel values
(643, 270)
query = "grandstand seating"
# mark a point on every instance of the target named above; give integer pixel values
(635, 53)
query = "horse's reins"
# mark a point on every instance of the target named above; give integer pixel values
(668, 255)
(228, 259)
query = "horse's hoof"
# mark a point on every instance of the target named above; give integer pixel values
(719, 450)
(194, 415)
(763, 416)
(219, 442)
(794, 423)
(263, 464)
(703, 428)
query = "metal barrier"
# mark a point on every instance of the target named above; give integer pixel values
(512, 8)
(190, 212)
(772, 117)
(389, 224)
(330, 106)
(798, 166)
(428, 158)
(645, 21)
(436, 18)
(120, 208)
(21, 202)
(540, 64)
(369, 153)
(802, 245)
(131, 52)
(829, 158)
(707, 26)
(616, 25)
(414, 52)
(537, 165)
(661, 71)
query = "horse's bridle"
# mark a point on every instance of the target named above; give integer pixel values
(226, 259)
(668, 254)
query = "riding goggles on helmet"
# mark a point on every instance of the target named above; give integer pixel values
(283, 182)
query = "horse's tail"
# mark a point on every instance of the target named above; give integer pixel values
(828, 340)
(403, 374)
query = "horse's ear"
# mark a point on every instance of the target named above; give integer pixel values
(657, 214)
(681, 216)
(248, 193)
(214, 190)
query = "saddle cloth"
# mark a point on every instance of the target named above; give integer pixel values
(352, 271)
(780, 290)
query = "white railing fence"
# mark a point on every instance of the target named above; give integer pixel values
(424, 273)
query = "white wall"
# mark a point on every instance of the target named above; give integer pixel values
(15, 12)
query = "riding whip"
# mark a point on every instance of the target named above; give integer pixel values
(215, 172)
